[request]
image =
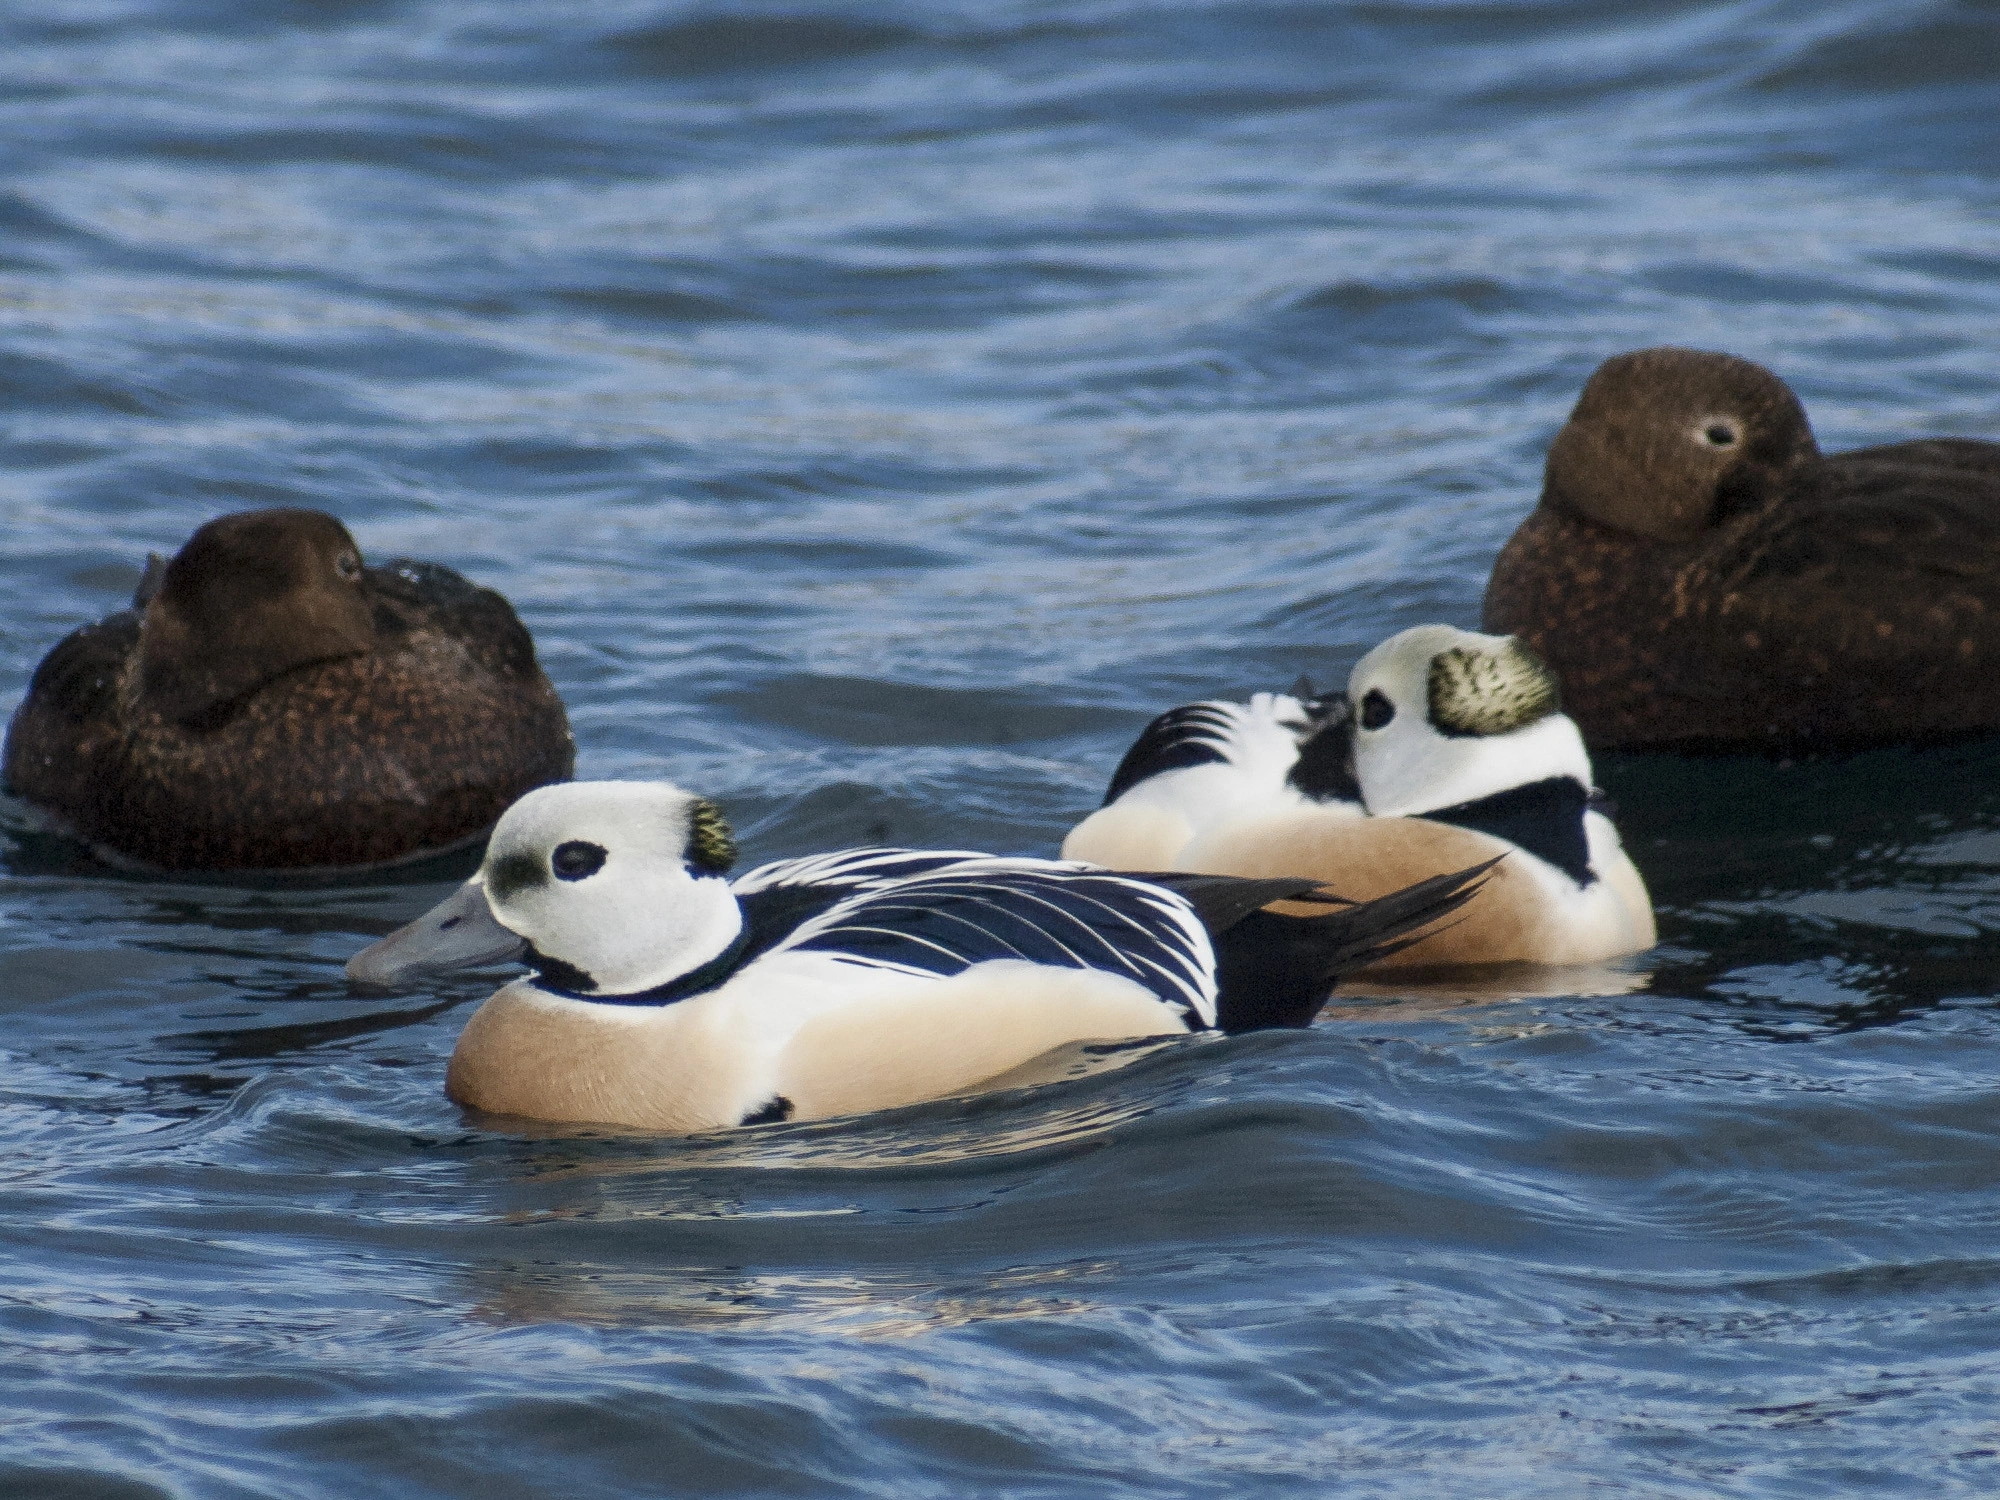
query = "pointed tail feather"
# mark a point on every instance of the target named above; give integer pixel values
(1276, 970)
(1374, 930)
(1221, 901)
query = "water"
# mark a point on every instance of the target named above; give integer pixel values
(877, 412)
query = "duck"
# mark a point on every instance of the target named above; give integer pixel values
(1447, 749)
(270, 701)
(1704, 579)
(664, 995)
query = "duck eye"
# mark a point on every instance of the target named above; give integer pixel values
(1720, 435)
(1376, 709)
(347, 565)
(576, 859)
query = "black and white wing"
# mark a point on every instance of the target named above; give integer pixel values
(975, 910)
(1262, 736)
(777, 897)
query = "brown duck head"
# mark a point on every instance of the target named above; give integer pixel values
(248, 598)
(1670, 443)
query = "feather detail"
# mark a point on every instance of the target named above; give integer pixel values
(976, 910)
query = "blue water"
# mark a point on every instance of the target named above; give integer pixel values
(877, 412)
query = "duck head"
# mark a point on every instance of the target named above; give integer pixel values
(248, 598)
(1444, 716)
(607, 888)
(1669, 443)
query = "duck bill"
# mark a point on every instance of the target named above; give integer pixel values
(458, 933)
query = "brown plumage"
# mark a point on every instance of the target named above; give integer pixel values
(1519, 915)
(270, 703)
(1703, 578)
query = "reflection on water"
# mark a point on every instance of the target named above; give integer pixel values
(806, 1307)
(1417, 992)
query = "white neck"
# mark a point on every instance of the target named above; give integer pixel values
(1432, 770)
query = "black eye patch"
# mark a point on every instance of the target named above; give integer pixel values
(1376, 709)
(513, 873)
(576, 859)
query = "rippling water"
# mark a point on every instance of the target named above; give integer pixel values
(877, 412)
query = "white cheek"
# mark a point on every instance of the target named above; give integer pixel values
(1401, 764)
(642, 928)
(1421, 770)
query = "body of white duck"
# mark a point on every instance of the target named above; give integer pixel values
(668, 997)
(1456, 752)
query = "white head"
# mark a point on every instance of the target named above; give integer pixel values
(623, 884)
(1444, 716)
(613, 887)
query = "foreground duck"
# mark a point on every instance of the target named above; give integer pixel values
(1448, 749)
(1705, 579)
(667, 997)
(270, 702)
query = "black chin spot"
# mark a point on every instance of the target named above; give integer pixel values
(1376, 709)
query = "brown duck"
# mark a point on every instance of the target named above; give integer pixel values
(1703, 578)
(269, 702)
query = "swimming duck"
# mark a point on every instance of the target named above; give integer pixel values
(1703, 578)
(1449, 748)
(667, 997)
(271, 702)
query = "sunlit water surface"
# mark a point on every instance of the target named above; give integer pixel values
(877, 412)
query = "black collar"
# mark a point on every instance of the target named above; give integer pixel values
(1545, 818)
(550, 974)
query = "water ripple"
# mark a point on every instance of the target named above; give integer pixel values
(878, 412)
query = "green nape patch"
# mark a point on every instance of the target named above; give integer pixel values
(1474, 691)
(711, 845)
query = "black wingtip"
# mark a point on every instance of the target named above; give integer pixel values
(1406, 917)
(1277, 970)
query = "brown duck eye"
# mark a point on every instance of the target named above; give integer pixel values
(1376, 709)
(1720, 435)
(576, 859)
(347, 565)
